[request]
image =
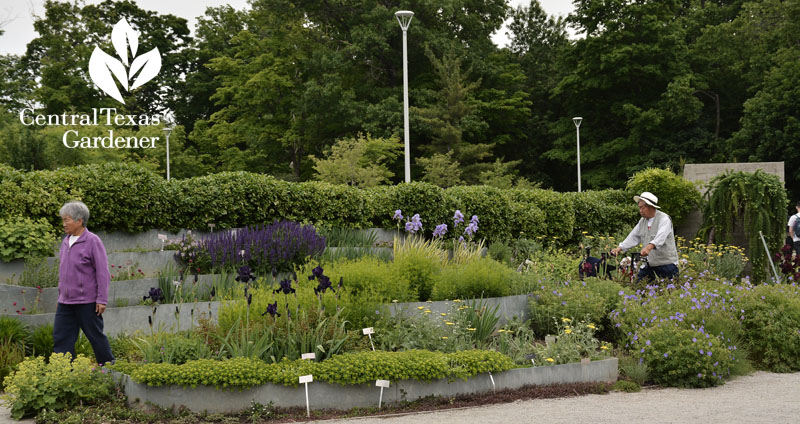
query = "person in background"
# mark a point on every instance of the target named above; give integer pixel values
(83, 280)
(795, 237)
(654, 231)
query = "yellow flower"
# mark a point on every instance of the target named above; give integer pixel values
(420, 307)
(604, 347)
(427, 311)
(456, 300)
(449, 323)
(550, 360)
(591, 326)
(566, 320)
(584, 232)
(444, 337)
(470, 329)
(568, 331)
(443, 314)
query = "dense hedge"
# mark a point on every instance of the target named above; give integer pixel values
(128, 198)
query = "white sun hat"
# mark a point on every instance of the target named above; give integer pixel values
(648, 198)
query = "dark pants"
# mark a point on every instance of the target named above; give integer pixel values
(796, 245)
(661, 271)
(71, 318)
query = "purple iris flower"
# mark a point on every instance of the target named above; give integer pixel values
(155, 294)
(244, 275)
(324, 284)
(458, 218)
(398, 215)
(272, 309)
(440, 230)
(285, 288)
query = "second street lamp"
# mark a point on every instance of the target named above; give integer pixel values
(167, 132)
(404, 18)
(577, 120)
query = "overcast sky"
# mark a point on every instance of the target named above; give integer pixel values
(16, 16)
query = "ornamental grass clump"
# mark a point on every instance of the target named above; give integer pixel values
(592, 299)
(56, 385)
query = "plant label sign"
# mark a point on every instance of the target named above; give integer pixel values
(306, 379)
(367, 331)
(382, 383)
(311, 355)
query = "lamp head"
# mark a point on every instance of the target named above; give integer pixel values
(577, 120)
(404, 18)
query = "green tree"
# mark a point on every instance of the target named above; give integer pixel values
(69, 32)
(440, 169)
(358, 161)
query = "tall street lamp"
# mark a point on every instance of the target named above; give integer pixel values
(167, 131)
(577, 120)
(404, 18)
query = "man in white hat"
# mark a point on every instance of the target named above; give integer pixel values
(654, 232)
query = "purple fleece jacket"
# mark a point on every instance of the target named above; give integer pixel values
(83, 275)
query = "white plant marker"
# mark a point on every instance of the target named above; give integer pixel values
(311, 356)
(163, 238)
(305, 379)
(494, 389)
(382, 384)
(369, 331)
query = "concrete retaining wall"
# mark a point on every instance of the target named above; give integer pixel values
(335, 396)
(509, 307)
(170, 317)
(119, 292)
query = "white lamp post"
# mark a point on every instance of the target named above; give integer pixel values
(577, 120)
(167, 131)
(404, 18)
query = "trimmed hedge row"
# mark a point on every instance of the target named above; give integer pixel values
(124, 197)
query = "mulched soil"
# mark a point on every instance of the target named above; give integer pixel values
(281, 415)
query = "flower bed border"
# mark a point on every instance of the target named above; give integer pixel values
(324, 395)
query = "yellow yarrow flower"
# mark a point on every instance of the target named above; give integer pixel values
(568, 331)
(566, 320)
(591, 326)
(470, 329)
(550, 360)
(449, 323)
(420, 307)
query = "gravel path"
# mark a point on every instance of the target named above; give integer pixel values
(758, 398)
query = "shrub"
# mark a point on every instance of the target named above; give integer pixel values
(676, 195)
(417, 262)
(681, 357)
(56, 385)
(770, 326)
(372, 278)
(591, 300)
(11, 354)
(345, 369)
(575, 340)
(14, 331)
(626, 386)
(483, 277)
(25, 238)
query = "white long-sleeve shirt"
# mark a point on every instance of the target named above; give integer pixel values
(661, 236)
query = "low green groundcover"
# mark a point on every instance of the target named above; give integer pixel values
(349, 368)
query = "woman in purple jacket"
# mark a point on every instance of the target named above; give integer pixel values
(83, 280)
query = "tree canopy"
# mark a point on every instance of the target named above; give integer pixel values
(281, 86)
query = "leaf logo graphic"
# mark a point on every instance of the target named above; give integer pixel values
(104, 68)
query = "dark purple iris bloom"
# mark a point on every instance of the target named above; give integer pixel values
(286, 287)
(155, 294)
(272, 309)
(316, 273)
(244, 275)
(324, 284)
